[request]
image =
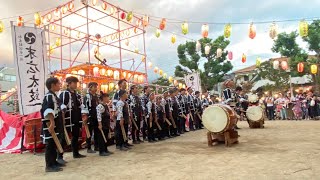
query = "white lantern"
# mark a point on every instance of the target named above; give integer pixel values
(275, 64)
(219, 52)
(207, 49)
(198, 46)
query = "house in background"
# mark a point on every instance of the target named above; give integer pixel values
(7, 83)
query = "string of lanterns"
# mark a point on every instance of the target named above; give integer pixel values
(300, 66)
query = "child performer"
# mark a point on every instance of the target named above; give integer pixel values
(122, 119)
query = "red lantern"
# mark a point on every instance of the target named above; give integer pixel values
(123, 15)
(20, 21)
(205, 30)
(284, 65)
(252, 31)
(244, 58)
(163, 23)
(300, 67)
(230, 55)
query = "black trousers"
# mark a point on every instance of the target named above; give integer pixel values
(118, 135)
(151, 130)
(144, 128)
(177, 121)
(135, 132)
(102, 144)
(50, 153)
(182, 124)
(192, 120)
(196, 121)
(75, 138)
(270, 111)
(126, 128)
(93, 127)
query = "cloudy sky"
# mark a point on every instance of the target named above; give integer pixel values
(159, 50)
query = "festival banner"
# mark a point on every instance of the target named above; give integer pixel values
(193, 81)
(29, 49)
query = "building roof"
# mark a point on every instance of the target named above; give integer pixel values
(245, 70)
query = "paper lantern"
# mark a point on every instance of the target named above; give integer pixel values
(84, 86)
(49, 17)
(183, 86)
(124, 74)
(56, 13)
(126, 42)
(207, 49)
(102, 72)
(198, 46)
(185, 28)
(227, 30)
(129, 76)
(230, 55)
(129, 16)
(20, 21)
(258, 62)
(175, 82)
(170, 79)
(94, 2)
(58, 42)
(180, 85)
(314, 69)
(70, 6)
(252, 31)
(136, 50)
(156, 70)
(104, 88)
(205, 30)
(138, 22)
(64, 9)
(150, 64)
(276, 64)
(81, 72)
(145, 21)
(164, 75)
(111, 86)
(143, 58)
(219, 52)
(109, 73)
(52, 27)
(123, 15)
(74, 72)
(284, 65)
(136, 78)
(116, 75)
(37, 19)
(104, 6)
(273, 32)
(163, 23)
(140, 79)
(300, 67)
(161, 72)
(173, 38)
(243, 58)
(1, 27)
(158, 33)
(303, 28)
(51, 49)
(96, 72)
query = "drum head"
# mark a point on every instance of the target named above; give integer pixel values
(215, 119)
(254, 113)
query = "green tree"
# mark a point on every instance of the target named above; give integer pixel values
(161, 82)
(313, 38)
(214, 68)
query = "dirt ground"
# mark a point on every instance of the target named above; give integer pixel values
(283, 150)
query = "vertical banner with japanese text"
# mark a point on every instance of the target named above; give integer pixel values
(29, 49)
(193, 81)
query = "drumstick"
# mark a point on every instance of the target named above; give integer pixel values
(134, 123)
(66, 136)
(86, 128)
(109, 135)
(198, 115)
(159, 127)
(104, 137)
(191, 117)
(168, 121)
(55, 139)
(123, 133)
(173, 123)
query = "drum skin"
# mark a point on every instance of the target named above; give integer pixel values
(219, 118)
(255, 113)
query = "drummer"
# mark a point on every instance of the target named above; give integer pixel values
(229, 95)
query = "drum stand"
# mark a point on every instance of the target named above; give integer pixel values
(256, 124)
(228, 138)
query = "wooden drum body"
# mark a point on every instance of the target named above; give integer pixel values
(255, 117)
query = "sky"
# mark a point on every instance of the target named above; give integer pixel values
(160, 51)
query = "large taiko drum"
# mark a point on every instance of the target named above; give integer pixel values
(255, 113)
(219, 118)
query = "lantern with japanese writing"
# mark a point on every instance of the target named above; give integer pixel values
(111, 86)
(227, 30)
(180, 85)
(37, 19)
(156, 70)
(1, 26)
(243, 58)
(20, 21)
(170, 79)
(303, 28)
(185, 28)
(64, 9)
(104, 6)
(258, 62)
(129, 16)
(96, 72)
(150, 64)
(124, 74)
(123, 15)
(173, 38)
(230, 55)
(140, 79)
(136, 78)
(145, 21)
(273, 32)
(102, 71)
(207, 49)
(276, 64)
(116, 75)
(300, 67)
(163, 23)
(205, 30)
(109, 73)
(219, 52)
(252, 31)
(284, 65)
(104, 88)
(158, 33)
(58, 42)
(198, 46)
(161, 72)
(70, 6)
(314, 69)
